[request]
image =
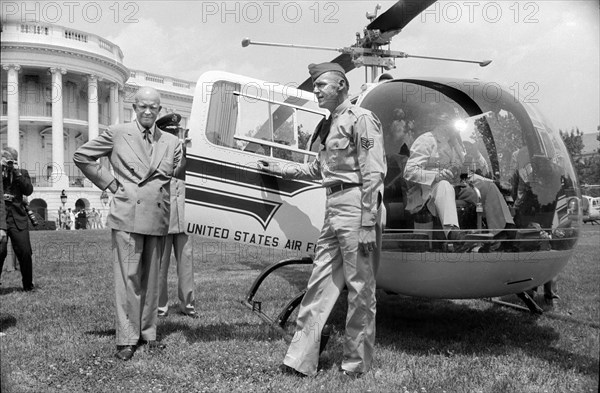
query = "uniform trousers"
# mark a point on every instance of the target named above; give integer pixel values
(22, 247)
(185, 273)
(442, 204)
(136, 265)
(338, 263)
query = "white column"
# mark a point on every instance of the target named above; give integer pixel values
(12, 139)
(114, 104)
(92, 106)
(122, 105)
(59, 176)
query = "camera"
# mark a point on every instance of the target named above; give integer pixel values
(32, 218)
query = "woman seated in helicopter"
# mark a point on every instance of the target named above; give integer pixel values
(437, 160)
(535, 202)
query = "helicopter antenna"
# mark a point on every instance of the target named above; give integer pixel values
(372, 15)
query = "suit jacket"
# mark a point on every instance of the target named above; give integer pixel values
(16, 187)
(428, 155)
(2, 208)
(141, 203)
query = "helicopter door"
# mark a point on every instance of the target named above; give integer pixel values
(237, 121)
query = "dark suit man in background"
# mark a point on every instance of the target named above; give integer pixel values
(144, 159)
(177, 238)
(16, 184)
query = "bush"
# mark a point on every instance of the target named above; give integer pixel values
(43, 226)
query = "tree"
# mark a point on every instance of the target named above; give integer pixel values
(587, 169)
(573, 141)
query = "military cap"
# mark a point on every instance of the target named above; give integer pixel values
(169, 122)
(317, 70)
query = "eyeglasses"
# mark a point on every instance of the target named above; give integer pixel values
(144, 108)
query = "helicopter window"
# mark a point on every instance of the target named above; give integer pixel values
(504, 141)
(266, 122)
(222, 114)
(274, 126)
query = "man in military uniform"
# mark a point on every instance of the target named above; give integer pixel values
(351, 163)
(177, 238)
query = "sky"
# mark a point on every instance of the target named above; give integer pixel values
(546, 52)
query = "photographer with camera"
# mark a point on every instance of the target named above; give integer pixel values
(17, 184)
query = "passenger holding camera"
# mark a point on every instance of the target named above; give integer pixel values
(17, 184)
(437, 160)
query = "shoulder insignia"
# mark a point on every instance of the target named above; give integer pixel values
(367, 143)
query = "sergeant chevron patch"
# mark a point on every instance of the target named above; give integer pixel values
(367, 143)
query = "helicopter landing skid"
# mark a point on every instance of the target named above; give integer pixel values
(532, 306)
(256, 306)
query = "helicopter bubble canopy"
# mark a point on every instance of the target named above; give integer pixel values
(520, 151)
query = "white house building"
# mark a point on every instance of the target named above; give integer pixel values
(60, 88)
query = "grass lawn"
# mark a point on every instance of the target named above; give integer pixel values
(61, 337)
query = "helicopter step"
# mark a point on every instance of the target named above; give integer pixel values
(281, 319)
(256, 306)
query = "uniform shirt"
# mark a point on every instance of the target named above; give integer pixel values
(353, 153)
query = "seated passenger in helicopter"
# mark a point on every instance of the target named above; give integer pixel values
(535, 201)
(399, 137)
(437, 160)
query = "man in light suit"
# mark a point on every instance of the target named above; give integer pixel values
(143, 159)
(177, 238)
(437, 158)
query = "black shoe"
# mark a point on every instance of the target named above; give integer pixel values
(457, 238)
(152, 344)
(351, 374)
(191, 314)
(125, 352)
(287, 370)
(30, 288)
(509, 233)
(551, 296)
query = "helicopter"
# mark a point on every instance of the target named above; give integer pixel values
(237, 121)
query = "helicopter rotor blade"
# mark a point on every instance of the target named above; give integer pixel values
(391, 21)
(399, 15)
(481, 63)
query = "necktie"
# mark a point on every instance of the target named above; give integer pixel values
(148, 139)
(322, 131)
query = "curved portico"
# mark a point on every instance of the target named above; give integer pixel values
(62, 88)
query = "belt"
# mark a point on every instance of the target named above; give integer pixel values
(340, 187)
